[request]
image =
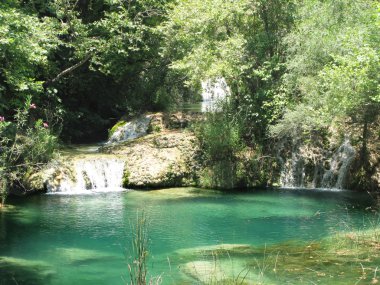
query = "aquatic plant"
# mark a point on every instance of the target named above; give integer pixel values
(137, 266)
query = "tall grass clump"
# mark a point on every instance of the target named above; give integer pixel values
(137, 261)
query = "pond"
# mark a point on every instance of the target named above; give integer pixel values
(86, 239)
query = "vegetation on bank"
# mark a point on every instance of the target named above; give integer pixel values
(25, 144)
(301, 71)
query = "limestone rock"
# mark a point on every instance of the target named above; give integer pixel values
(158, 160)
(129, 129)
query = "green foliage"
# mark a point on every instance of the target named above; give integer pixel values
(220, 140)
(25, 145)
(115, 127)
(205, 40)
(339, 67)
(333, 74)
(25, 45)
(288, 63)
(240, 41)
(323, 65)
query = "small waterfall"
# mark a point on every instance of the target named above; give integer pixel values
(293, 169)
(214, 91)
(299, 170)
(90, 175)
(340, 163)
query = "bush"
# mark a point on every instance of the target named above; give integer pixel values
(220, 137)
(25, 145)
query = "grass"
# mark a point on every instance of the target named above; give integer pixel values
(137, 265)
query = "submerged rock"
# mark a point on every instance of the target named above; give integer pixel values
(216, 272)
(224, 249)
(23, 271)
(78, 256)
(222, 264)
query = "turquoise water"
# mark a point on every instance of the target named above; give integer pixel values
(85, 239)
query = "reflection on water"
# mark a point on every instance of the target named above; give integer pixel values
(82, 149)
(83, 239)
(190, 107)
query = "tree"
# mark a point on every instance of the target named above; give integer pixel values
(237, 40)
(26, 42)
(333, 73)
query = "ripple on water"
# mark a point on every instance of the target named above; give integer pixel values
(85, 239)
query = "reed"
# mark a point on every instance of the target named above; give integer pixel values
(137, 265)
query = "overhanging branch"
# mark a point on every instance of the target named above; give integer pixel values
(69, 70)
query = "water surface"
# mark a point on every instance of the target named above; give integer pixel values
(85, 239)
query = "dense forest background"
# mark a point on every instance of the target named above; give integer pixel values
(303, 71)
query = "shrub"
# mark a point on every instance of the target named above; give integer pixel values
(25, 145)
(220, 137)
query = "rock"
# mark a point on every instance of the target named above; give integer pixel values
(153, 154)
(225, 248)
(35, 181)
(77, 256)
(135, 128)
(217, 271)
(23, 271)
(222, 264)
(126, 130)
(158, 160)
(180, 192)
(164, 159)
(157, 123)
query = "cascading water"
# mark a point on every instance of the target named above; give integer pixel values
(91, 175)
(293, 172)
(340, 162)
(214, 91)
(332, 176)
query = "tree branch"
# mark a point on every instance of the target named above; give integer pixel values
(69, 70)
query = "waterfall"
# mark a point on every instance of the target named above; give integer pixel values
(298, 170)
(90, 175)
(214, 91)
(293, 169)
(340, 163)
(293, 172)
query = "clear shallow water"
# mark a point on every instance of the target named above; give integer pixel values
(84, 239)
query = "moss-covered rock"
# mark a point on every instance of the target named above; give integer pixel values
(118, 125)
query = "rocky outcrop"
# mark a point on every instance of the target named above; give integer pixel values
(158, 160)
(162, 155)
(129, 129)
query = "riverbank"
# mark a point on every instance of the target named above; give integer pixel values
(162, 150)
